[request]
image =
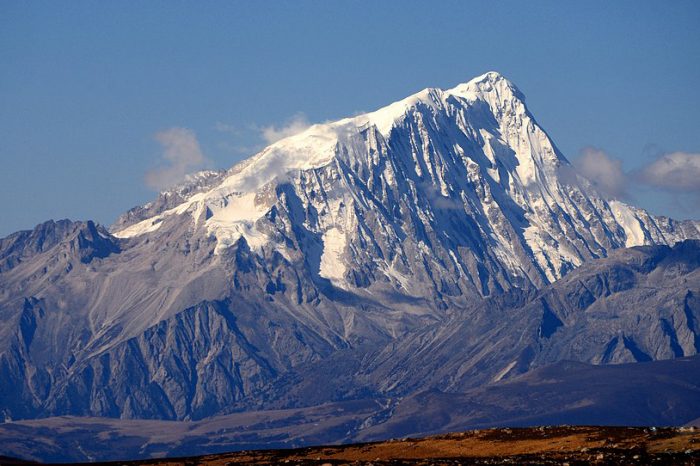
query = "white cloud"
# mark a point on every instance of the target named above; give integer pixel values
(228, 128)
(251, 138)
(676, 172)
(239, 149)
(603, 171)
(181, 155)
(295, 125)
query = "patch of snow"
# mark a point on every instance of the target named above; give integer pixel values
(625, 216)
(233, 217)
(505, 371)
(332, 263)
(403, 280)
(145, 226)
(547, 257)
(235, 209)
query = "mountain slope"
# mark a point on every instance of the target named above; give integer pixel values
(350, 245)
(666, 394)
(636, 305)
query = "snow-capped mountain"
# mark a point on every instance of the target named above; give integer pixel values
(336, 249)
(463, 180)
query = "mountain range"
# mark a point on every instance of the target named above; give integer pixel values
(441, 245)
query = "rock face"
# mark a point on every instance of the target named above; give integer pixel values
(636, 305)
(84, 241)
(432, 243)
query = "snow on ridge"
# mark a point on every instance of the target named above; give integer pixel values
(385, 118)
(518, 157)
(313, 148)
(140, 228)
(316, 147)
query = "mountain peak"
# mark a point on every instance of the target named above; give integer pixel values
(473, 149)
(491, 76)
(489, 86)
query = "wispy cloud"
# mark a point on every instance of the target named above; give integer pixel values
(604, 171)
(181, 155)
(674, 176)
(251, 138)
(677, 172)
(295, 125)
(228, 128)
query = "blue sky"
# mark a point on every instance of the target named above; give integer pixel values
(88, 89)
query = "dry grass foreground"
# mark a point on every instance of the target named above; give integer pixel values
(529, 446)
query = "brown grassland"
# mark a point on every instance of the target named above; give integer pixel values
(526, 446)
